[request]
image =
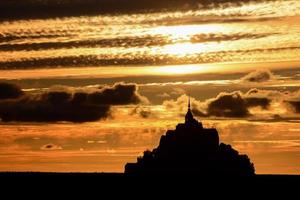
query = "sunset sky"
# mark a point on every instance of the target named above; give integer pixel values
(87, 86)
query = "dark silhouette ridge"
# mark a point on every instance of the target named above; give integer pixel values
(192, 149)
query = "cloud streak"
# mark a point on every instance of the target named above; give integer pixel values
(36, 8)
(41, 59)
(141, 41)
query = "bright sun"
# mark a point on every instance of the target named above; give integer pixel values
(181, 39)
(186, 31)
(183, 49)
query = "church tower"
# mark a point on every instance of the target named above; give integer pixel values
(189, 118)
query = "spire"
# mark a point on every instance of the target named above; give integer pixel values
(189, 115)
(189, 118)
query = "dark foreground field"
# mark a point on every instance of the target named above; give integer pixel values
(256, 182)
(120, 186)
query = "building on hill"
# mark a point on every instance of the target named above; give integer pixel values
(192, 149)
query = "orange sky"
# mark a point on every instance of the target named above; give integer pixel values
(130, 76)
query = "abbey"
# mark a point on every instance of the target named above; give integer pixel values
(191, 133)
(192, 149)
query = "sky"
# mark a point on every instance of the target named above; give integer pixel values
(91, 88)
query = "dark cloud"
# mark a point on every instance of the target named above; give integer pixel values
(51, 146)
(55, 106)
(295, 105)
(10, 91)
(7, 37)
(54, 8)
(130, 41)
(258, 101)
(261, 75)
(51, 107)
(255, 104)
(119, 94)
(84, 60)
(228, 105)
(233, 105)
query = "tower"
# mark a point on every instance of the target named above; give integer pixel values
(189, 118)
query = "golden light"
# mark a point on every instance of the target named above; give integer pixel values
(94, 72)
(184, 32)
(180, 69)
(181, 38)
(183, 49)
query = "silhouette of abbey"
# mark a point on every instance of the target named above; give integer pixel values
(192, 149)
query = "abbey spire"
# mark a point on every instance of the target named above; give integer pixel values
(189, 118)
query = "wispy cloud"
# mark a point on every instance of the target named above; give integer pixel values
(35, 9)
(135, 39)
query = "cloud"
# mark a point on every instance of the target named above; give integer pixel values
(261, 75)
(51, 147)
(52, 106)
(142, 112)
(128, 41)
(234, 104)
(83, 60)
(37, 8)
(254, 103)
(295, 105)
(119, 94)
(31, 60)
(228, 105)
(10, 91)
(212, 37)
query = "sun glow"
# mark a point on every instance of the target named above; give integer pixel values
(113, 71)
(184, 49)
(181, 37)
(180, 69)
(184, 32)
